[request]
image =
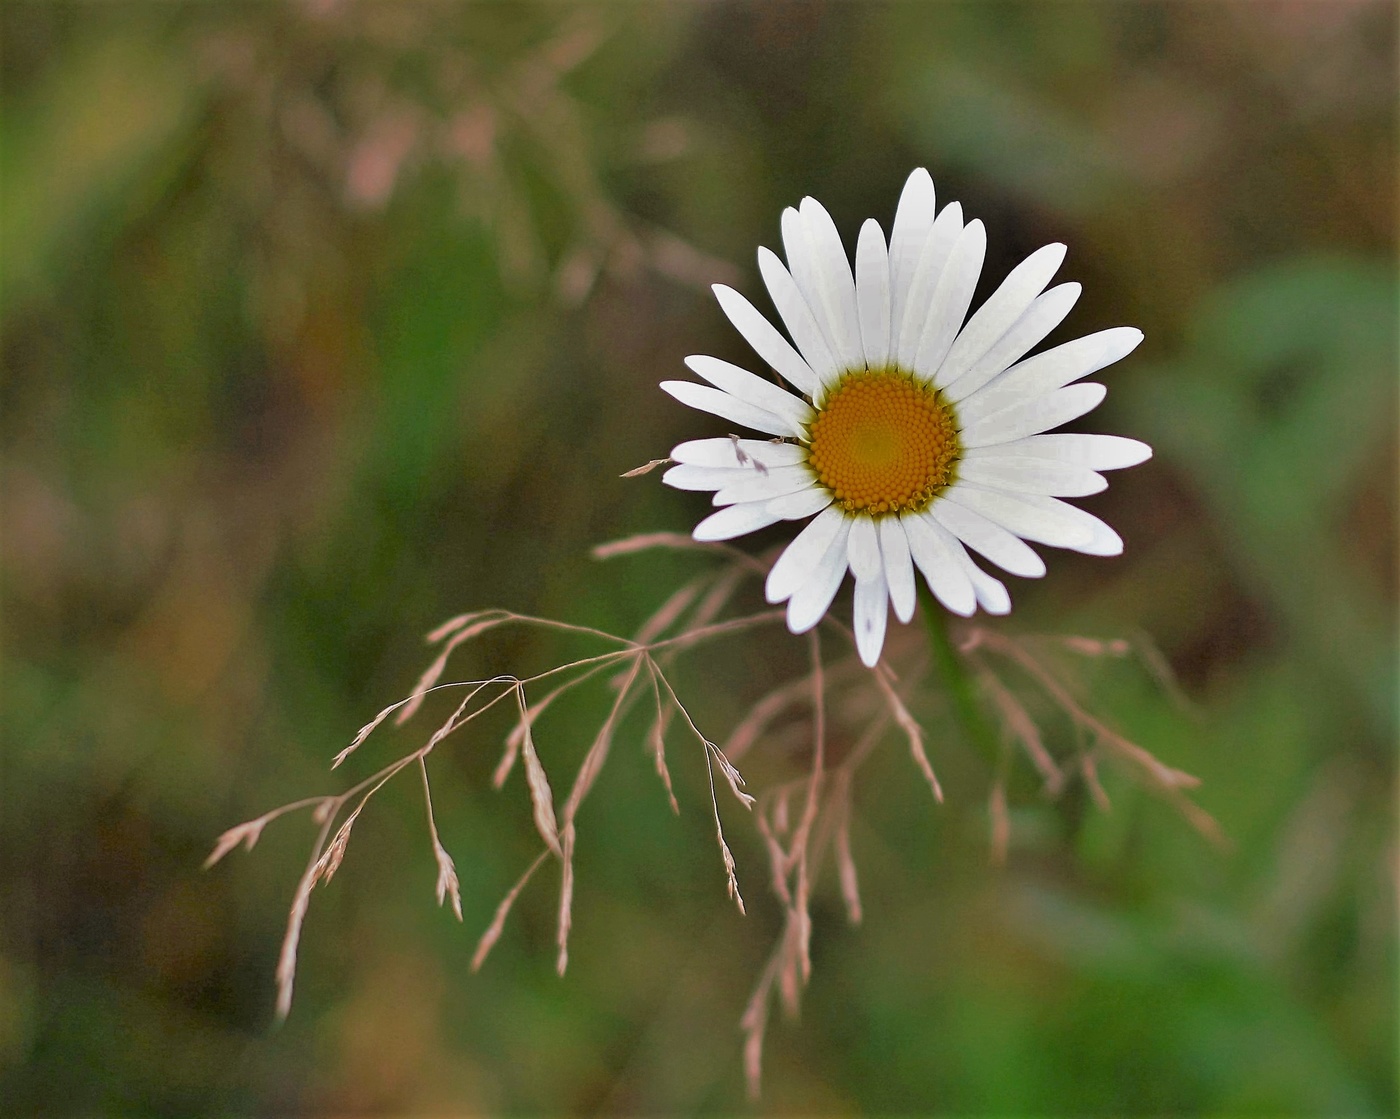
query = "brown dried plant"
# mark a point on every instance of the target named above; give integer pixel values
(803, 822)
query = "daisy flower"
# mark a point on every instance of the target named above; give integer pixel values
(911, 435)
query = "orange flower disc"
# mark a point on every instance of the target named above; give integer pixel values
(884, 442)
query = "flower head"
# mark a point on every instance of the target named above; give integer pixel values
(912, 435)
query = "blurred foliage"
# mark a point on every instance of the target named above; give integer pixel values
(324, 321)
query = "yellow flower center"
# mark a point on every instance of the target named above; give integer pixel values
(884, 442)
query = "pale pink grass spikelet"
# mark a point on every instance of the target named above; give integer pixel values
(804, 822)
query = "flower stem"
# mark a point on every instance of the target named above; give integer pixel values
(962, 688)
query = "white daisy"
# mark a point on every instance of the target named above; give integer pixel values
(912, 435)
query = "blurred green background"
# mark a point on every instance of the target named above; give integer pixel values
(324, 321)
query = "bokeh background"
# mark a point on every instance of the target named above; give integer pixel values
(324, 321)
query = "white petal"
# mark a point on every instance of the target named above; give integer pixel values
(812, 598)
(873, 293)
(1005, 549)
(756, 486)
(745, 484)
(737, 520)
(1024, 516)
(688, 477)
(912, 221)
(729, 407)
(800, 558)
(738, 453)
(752, 389)
(1097, 452)
(837, 287)
(863, 551)
(872, 614)
(918, 297)
(899, 567)
(1103, 541)
(951, 299)
(1001, 311)
(1030, 417)
(802, 266)
(1050, 370)
(766, 339)
(1021, 474)
(992, 594)
(797, 316)
(946, 578)
(795, 506)
(1043, 316)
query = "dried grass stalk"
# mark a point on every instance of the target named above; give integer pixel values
(447, 882)
(801, 820)
(488, 619)
(657, 737)
(845, 864)
(1018, 724)
(913, 733)
(566, 898)
(498, 921)
(638, 471)
(541, 798)
(598, 751)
